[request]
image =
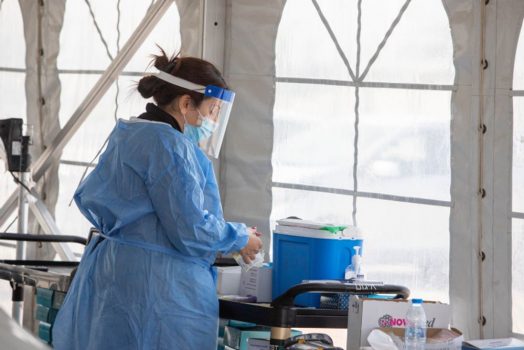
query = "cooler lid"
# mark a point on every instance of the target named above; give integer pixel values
(313, 231)
(304, 223)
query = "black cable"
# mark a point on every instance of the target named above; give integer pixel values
(118, 26)
(116, 81)
(17, 180)
(95, 22)
(117, 51)
(88, 166)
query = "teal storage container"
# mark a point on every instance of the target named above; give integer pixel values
(309, 254)
(45, 332)
(237, 338)
(58, 299)
(50, 298)
(44, 296)
(45, 314)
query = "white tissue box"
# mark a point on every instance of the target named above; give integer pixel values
(257, 282)
(228, 280)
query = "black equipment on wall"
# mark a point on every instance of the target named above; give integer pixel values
(16, 145)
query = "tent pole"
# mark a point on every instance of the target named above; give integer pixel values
(9, 207)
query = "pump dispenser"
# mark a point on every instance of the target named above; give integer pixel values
(353, 270)
(356, 261)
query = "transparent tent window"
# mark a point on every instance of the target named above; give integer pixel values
(517, 243)
(403, 147)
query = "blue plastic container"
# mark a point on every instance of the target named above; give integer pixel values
(305, 254)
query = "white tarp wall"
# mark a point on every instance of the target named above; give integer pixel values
(347, 111)
(486, 283)
(427, 74)
(246, 169)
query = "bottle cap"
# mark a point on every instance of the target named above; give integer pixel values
(417, 301)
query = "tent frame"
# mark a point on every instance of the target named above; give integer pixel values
(46, 159)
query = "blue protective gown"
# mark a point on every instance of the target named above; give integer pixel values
(149, 284)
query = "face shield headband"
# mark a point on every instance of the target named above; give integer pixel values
(221, 110)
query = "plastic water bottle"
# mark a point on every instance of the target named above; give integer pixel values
(415, 336)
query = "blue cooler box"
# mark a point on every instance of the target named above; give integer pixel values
(308, 254)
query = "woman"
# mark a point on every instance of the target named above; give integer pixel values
(147, 282)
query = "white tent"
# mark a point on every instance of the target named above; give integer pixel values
(404, 117)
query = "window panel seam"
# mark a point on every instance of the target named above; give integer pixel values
(361, 194)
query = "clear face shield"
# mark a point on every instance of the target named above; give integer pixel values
(219, 102)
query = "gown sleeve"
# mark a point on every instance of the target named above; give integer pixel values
(179, 199)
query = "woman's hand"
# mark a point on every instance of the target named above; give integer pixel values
(253, 246)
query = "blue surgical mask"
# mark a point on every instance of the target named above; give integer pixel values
(202, 132)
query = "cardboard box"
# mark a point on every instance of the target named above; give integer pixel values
(228, 280)
(494, 344)
(366, 314)
(436, 338)
(257, 282)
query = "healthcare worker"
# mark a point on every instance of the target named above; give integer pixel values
(147, 282)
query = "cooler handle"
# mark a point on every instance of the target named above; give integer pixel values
(288, 298)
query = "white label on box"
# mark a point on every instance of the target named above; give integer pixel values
(366, 314)
(228, 280)
(257, 282)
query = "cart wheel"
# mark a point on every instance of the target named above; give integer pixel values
(310, 341)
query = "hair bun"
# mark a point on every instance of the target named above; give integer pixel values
(147, 86)
(161, 61)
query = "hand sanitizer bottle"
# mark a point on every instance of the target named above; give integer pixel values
(353, 270)
(349, 273)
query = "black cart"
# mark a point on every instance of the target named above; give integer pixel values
(282, 314)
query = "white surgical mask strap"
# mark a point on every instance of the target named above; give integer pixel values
(179, 81)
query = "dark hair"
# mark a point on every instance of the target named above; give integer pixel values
(193, 69)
